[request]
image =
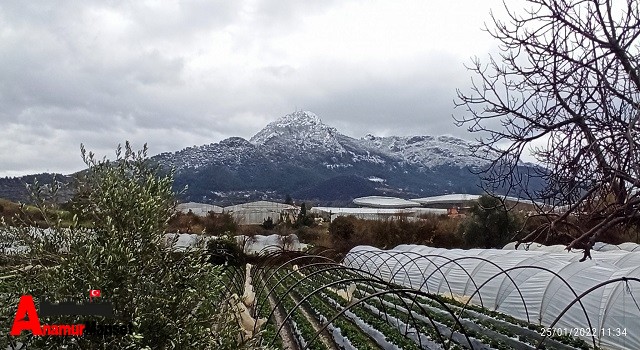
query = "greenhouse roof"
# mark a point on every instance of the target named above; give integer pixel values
(385, 202)
(260, 205)
(448, 198)
(339, 210)
(198, 208)
(465, 197)
(548, 288)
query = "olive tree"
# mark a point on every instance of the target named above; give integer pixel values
(174, 299)
(566, 87)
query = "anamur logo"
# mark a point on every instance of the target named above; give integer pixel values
(27, 318)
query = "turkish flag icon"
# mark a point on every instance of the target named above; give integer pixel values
(94, 293)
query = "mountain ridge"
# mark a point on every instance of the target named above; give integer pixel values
(304, 132)
(299, 155)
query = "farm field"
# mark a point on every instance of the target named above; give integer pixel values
(312, 302)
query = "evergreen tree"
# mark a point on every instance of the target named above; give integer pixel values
(304, 219)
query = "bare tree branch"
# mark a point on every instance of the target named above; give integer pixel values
(568, 75)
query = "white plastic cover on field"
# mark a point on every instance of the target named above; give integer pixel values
(534, 286)
(598, 246)
(257, 244)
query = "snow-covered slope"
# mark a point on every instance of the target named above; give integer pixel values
(303, 136)
(302, 129)
(305, 132)
(231, 152)
(425, 151)
(299, 154)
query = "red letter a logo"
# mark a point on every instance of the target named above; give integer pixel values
(26, 309)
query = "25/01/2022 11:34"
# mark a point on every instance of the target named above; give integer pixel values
(584, 332)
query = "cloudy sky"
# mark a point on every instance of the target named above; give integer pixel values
(181, 73)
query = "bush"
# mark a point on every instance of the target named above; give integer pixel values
(447, 233)
(343, 227)
(172, 298)
(214, 224)
(268, 224)
(185, 223)
(304, 218)
(432, 230)
(225, 251)
(220, 224)
(306, 234)
(490, 225)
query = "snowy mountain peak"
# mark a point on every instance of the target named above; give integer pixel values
(299, 118)
(301, 136)
(302, 125)
(235, 142)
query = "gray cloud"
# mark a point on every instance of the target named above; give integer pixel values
(194, 72)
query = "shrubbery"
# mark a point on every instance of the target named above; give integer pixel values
(304, 218)
(489, 224)
(268, 224)
(174, 299)
(438, 231)
(214, 224)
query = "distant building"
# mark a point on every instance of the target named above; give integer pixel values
(453, 212)
(200, 209)
(460, 201)
(384, 202)
(255, 213)
(331, 213)
(455, 204)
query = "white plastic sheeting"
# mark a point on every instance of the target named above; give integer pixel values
(519, 283)
(257, 244)
(200, 209)
(377, 213)
(255, 213)
(448, 199)
(598, 246)
(384, 202)
(458, 198)
(627, 246)
(181, 241)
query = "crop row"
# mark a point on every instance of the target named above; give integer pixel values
(476, 325)
(302, 326)
(263, 308)
(398, 332)
(393, 318)
(493, 328)
(345, 333)
(385, 335)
